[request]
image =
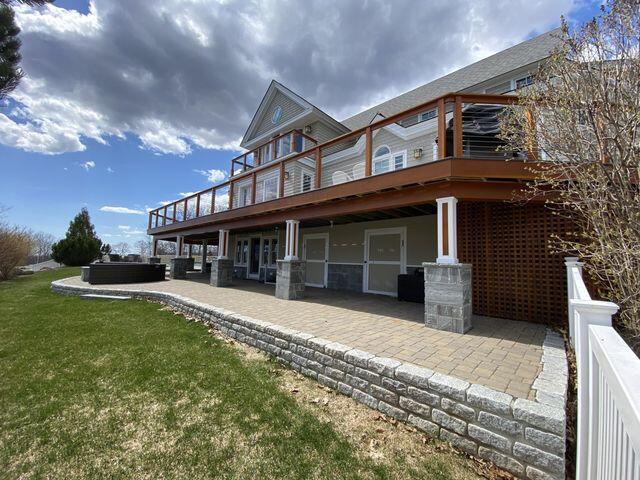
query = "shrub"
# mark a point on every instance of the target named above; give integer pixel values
(80, 245)
(15, 245)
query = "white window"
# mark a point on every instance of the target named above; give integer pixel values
(381, 160)
(524, 82)
(266, 153)
(269, 251)
(242, 251)
(244, 196)
(385, 161)
(399, 160)
(307, 181)
(284, 146)
(428, 115)
(269, 189)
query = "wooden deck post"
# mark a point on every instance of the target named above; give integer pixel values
(318, 176)
(213, 201)
(281, 180)
(150, 221)
(197, 205)
(442, 129)
(203, 261)
(175, 207)
(368, 162)
(164, 217)
(253, 188)
(457, 128)
(184, 212)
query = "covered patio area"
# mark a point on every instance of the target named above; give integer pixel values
(501, 354)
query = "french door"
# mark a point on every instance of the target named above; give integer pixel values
(253, 270)
(384, 259)
(315, 251)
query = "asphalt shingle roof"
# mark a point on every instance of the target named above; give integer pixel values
(520, 55)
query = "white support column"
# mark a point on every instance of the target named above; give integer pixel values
(447, 230)
(571, 262)
(291, 240)
(203, 266)
(223, 244)
(179, 245)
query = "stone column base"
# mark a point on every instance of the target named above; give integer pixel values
(154, 259)
(221, 272)
(290, 279)
(447, 296)
(84, 274)
(179, 267)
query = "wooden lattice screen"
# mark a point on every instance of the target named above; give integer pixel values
(515, 275)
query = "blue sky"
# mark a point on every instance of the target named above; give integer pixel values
(74, 135)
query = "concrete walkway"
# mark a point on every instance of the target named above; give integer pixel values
(502, 354)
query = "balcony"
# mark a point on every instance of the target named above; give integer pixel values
(454, 136)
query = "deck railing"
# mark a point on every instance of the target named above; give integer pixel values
(608, 437)
(451, 126)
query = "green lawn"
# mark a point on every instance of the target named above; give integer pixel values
(99, 389)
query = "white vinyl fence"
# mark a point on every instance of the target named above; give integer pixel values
(608, 437)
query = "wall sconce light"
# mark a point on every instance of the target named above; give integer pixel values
(307, 129)
(286, 175)
(417, 153)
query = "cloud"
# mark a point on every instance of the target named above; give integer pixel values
(110, 170)
(88, 165)
(213, 175)
(187, 194)
(132, 211)
(164, 202)
(124, 227)
(179, 75)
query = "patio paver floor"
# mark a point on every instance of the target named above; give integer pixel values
(502, 354)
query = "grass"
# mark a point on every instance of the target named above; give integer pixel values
(107, 389)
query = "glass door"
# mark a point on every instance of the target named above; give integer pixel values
(315, 251)
(254, 258)
(384, 260)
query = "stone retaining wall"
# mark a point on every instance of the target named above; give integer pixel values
(524, 437)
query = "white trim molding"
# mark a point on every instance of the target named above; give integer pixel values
(291, 240)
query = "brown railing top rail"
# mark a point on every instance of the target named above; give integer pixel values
(447, 98)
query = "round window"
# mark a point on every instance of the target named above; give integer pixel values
(277, 114)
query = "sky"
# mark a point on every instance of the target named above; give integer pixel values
(130, 103)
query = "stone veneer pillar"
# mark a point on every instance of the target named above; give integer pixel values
(290, 278)
(179, 267)
(447, 296)
(221, 272)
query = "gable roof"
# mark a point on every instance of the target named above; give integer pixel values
(520, 55)
(307, 108)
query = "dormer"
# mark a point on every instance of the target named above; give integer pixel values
(281, 111)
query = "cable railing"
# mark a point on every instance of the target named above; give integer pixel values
(452, 126)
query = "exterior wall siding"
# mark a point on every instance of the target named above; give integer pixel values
(289, 110)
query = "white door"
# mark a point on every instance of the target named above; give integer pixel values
(315, 251)
(384, 259)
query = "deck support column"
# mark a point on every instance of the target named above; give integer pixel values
(203, 260)
(222, 265)
(447, 230)
(290, 275)
(153, 258)
(447, 283)
(179, 245)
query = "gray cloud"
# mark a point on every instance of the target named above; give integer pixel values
(180, 74)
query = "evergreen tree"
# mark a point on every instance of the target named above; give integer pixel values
(80, 245)
(10, 71)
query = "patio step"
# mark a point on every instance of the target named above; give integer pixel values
(95, 296)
